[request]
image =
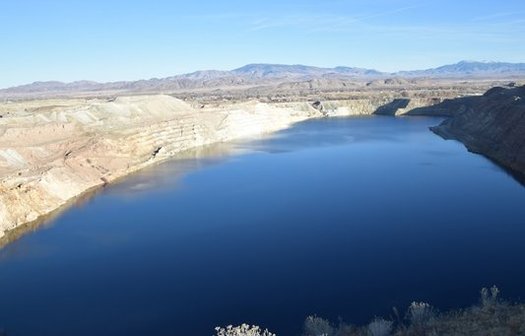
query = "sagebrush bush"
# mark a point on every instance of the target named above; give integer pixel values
(420, 313)
(242, 330)
(380, 327)
(316, 326)
(489, 297)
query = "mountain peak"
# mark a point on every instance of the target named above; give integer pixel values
(260, 72)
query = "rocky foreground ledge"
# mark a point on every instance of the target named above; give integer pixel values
(492, 124)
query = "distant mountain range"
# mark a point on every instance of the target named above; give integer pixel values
(469, 68)
(279, 71)
(260, 74)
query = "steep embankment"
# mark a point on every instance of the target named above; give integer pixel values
(53, 151)
(492, 124)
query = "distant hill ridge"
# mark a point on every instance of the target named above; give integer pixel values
(466, 68)
(262, 73)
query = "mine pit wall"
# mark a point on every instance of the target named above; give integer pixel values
(364, 106)
(54, 151)
(492, 124)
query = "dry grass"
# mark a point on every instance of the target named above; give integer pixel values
(491, 317)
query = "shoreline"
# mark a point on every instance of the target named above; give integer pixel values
(94, 155)
(55, 152)
(41, 222)
(491, 125)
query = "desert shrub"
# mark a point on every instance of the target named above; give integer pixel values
(242, 330)
(316, 326)
(348, 330)
(420, 313)
(489, 297)
(380, 327)
(491, 317)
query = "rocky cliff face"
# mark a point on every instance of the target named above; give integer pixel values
(53, 151)
(492, 124)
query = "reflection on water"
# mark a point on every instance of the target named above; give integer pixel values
(45, 221)
(167, 174)
(162, 176)
(336, 217)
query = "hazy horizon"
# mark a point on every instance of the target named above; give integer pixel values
(128, 40)
(214, 69)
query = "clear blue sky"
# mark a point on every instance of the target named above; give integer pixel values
(109, 40)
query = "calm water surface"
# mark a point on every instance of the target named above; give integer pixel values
(338, 217)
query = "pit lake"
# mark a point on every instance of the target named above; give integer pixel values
(343, 218)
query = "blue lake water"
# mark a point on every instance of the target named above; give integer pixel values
(336, 217)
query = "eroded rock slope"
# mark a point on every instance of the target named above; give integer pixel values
(52, 151)
(492, 124)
